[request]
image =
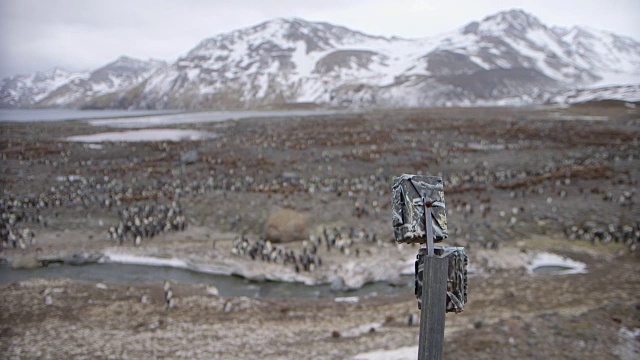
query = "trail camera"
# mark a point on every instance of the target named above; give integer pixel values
(419, 216)
(412, 195)
(456, 280)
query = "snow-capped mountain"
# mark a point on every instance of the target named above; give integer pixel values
(97, 89)
(28, 90)
(59, 88)
(507, 58)
(274, 62)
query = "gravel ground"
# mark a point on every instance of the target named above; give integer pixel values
(517, 183)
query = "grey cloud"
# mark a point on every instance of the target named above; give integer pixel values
(81, 34)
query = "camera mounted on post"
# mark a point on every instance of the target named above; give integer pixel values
(419, 217)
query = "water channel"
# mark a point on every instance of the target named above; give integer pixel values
(228, 286)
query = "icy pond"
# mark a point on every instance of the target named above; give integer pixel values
(228, 286)
(143, 135)
(132, 119)
(47, 115)
(145, 126)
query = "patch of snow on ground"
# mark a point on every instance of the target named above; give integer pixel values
(557, 116)
(347, 299)
(485, 147)
(629, 346)
(409, 267)
(143, 135)
(110, 257)
(554, 260)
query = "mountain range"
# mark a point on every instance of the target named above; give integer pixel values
(509, 58)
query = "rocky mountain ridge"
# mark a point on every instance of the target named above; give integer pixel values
(509, 58)
(61, 88)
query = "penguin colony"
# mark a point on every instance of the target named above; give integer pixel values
(14, 215)
(130, 196)
(137, 222)
(309, 258)
(144, 222)
(590, 231)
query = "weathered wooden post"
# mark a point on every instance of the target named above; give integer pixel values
(431, 339)
(419, 216)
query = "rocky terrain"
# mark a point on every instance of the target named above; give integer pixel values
(508, 58)
(519, 182)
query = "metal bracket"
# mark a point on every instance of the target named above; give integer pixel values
(428, 225)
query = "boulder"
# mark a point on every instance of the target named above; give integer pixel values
(212, 291)
(25, 262)
(286, 226)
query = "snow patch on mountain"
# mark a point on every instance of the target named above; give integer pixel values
(626, 93)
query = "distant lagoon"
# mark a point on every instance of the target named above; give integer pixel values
(147, 118)
(37, 115)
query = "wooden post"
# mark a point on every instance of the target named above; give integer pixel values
(428, 226)
(434, 297)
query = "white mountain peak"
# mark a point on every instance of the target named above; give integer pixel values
(508, 57)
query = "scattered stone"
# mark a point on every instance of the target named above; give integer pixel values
(101, 286)
(25, 262)
(348, 299)
(212, 291)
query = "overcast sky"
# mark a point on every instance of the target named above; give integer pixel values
(36, 35)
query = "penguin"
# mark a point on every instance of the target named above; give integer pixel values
(228, 306)
(412, 320)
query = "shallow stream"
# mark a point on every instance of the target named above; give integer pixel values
(228, 286)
